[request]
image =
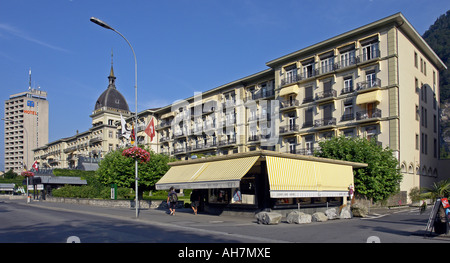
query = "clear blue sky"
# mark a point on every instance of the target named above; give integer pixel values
(182, 46)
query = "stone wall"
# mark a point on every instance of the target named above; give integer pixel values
(145, 204)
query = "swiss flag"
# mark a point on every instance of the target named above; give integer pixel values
(35, 166)
(150, 130)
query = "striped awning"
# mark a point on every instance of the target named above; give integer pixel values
(215, 174)
(291, 178)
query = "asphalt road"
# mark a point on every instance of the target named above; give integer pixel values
(43, 222)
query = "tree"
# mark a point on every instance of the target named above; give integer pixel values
(377, 181)
(118, 169)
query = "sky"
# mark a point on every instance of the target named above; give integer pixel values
(182, 46)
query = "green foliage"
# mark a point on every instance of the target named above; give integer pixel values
(120, 170)
(377, 181)
(92, 192)
(437, 190)
(10, 174)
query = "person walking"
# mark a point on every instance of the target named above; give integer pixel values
(172, 200)
(195, 200)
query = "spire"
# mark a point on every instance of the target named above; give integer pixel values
(111, 76)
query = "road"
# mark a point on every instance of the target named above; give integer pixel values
(43, 222)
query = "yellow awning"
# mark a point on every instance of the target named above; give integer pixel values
(215, 174)
(289, 90)
(369, 97)
(290, 178)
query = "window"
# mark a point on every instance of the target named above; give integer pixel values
(348, 58)
(422, 144)
(417, 113)
(326, 65)
(371, 78)
(370, 51)
(292, 146)
(434, 123)
(435, 148)
(308, 117)
(425, 68)
(416, 62)
(421, 65)
(291, 74)
(308, 70)
(308, 94)
(348, 110)
(416, 83)
(348, 84)
(417, 141)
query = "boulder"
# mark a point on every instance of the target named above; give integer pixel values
(298, 218)
(319, 217)
(359, 210)
(346, 213)
(268, 218)
(331, 213)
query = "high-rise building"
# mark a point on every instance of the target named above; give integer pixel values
(26, 127)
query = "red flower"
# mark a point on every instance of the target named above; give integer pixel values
(27, 174)
(137, 154)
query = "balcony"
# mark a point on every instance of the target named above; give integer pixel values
(368, 115)
(288, 104)
(348, 117)
(261, 94)
(302, 151)
(368, 85)
(308, 124)
(253, 138)
(290, 128)
(325, 123)
(325, 95)
(227, 142)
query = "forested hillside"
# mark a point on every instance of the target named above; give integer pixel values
(438, 37)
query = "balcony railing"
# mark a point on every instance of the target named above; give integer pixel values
(230, 141)
(290, 103)
(289, 128)
(302, 151)
(368, 84)
(324, 122)
(325, 95)
(368, 114)
(260, 95)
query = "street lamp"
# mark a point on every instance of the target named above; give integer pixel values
(105, 25)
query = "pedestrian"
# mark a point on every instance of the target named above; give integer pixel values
(195, 200)
(172, 200)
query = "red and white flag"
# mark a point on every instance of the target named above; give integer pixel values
(150, 130)
(36, 166)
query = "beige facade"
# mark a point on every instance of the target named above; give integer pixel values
(26, 127)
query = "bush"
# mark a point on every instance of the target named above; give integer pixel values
(89, 191)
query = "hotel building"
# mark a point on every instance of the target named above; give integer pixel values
(26, 127)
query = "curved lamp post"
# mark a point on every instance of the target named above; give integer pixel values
(105, 25)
